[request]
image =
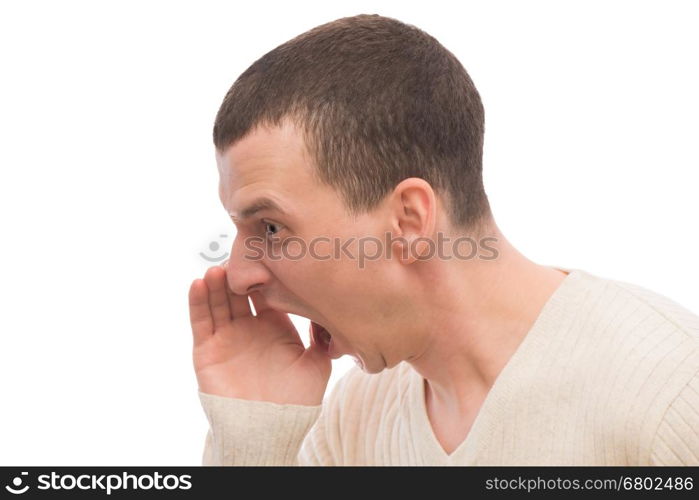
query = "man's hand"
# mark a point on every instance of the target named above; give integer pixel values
(257, 357)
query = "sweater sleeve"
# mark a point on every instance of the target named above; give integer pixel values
(244, 432)
(677, 439)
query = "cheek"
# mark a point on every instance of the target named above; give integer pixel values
(313, 280)
(333, 286)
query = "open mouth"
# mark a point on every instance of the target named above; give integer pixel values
(320, 335)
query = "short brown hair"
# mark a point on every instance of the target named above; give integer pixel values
(378, 101)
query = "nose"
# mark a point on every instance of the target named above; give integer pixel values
(245, 269)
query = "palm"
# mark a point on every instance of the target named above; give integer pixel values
(258, 357)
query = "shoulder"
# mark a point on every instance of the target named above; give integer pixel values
(643, 352)
(633, 317)
(645, 330)
(659, 334)
(661, 307)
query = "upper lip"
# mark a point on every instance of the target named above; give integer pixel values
(321, 325)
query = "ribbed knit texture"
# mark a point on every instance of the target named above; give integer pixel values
(243, 432)
(607, 375)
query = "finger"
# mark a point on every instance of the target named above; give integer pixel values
(199, 312)
(259, 302)
(215, 278)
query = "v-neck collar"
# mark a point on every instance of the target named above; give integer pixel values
(466, 453)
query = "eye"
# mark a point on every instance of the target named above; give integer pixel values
(271, 228)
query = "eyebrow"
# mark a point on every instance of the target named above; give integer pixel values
(257, 206)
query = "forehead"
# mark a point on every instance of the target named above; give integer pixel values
(269, 162)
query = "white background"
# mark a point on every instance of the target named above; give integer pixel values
(108, 185)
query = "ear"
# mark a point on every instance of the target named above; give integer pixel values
(413, 214)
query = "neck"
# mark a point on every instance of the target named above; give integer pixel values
(482, 312)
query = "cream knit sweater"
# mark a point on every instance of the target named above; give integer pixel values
(607, 375)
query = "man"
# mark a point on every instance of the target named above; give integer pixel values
(367, 130)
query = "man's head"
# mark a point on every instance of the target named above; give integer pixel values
(360, 127)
